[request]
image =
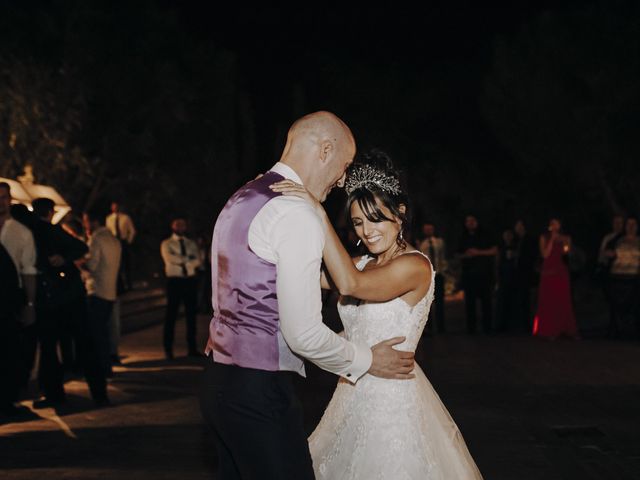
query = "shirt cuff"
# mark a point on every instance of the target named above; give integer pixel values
(362, 359)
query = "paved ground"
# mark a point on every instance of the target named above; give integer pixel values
(528, 409)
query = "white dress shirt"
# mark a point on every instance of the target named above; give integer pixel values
(18, 241)
(439, 260)
(602, 258)
(125, 227)
(102, 265)
(289, 233)
(174, 260)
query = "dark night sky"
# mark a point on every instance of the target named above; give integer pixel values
(449, 44)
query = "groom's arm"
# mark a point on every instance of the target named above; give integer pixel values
(297, 239)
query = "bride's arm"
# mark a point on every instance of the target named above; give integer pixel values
(326, 283)
(405, 274)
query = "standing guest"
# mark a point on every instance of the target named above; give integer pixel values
(28, 334)
(17, 239)
(617, 231)
(114, 333)
(18, 285)
(434, 247)
(121, 226)
(625, 277)
(606, 256)
(555, 315)
(506, 293)
(60, 301)
(477, 252)
(101, 279)
(525, 275)
(181, 260)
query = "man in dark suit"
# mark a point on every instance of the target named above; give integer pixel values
(60, 299)
(478, 255)
(527, 255)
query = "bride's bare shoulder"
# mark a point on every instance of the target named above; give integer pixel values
(414, 259)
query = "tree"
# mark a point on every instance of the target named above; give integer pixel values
(561, 97)
(41, 113)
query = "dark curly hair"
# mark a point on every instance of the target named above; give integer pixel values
(367, 194)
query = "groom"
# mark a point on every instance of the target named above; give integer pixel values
(266, 256)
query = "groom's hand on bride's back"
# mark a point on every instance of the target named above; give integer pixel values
(391, 363)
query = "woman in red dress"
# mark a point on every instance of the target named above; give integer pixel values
(555, 315)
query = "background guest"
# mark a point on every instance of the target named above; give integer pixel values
(434, 247)
(608, 241)
(555, 315)
(181, 260)
(101, 276)
(624, 278)
(477, 252)
(60, 301)
(525, 274)
(606, 256)
(121, 226)
(506, 312)
(18, 241)
(17, 300)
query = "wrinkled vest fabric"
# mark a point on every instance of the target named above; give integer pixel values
(245, 330)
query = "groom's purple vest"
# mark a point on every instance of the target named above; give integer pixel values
(245, 330)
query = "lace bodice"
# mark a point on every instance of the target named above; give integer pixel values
(369, 323)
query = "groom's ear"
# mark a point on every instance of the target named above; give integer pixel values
(326, 150)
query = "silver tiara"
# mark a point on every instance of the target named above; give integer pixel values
(365, 175)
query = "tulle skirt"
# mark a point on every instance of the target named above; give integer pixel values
(389, 429)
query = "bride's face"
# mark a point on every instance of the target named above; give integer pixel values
(378, 237)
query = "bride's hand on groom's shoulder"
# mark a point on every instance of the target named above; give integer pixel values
(387, 362)
(291, 188)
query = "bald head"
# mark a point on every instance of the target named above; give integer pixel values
(319, 125)
(319, 148)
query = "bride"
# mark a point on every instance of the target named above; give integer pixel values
(380, 428)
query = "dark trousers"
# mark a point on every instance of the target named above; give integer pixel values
(257, 422)
(625, 304)
(474, 290)
(50, 372)
(11, 365)
(28, 348)
(94, 345)
(99, 316)
(506, 305)
(88, 319)
(124, 272)
(181, 290)
(523, 305)
(613, 328)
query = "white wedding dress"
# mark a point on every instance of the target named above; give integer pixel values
(388, 429)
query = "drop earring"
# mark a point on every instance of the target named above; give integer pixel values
(359, 242)
(400, 240)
